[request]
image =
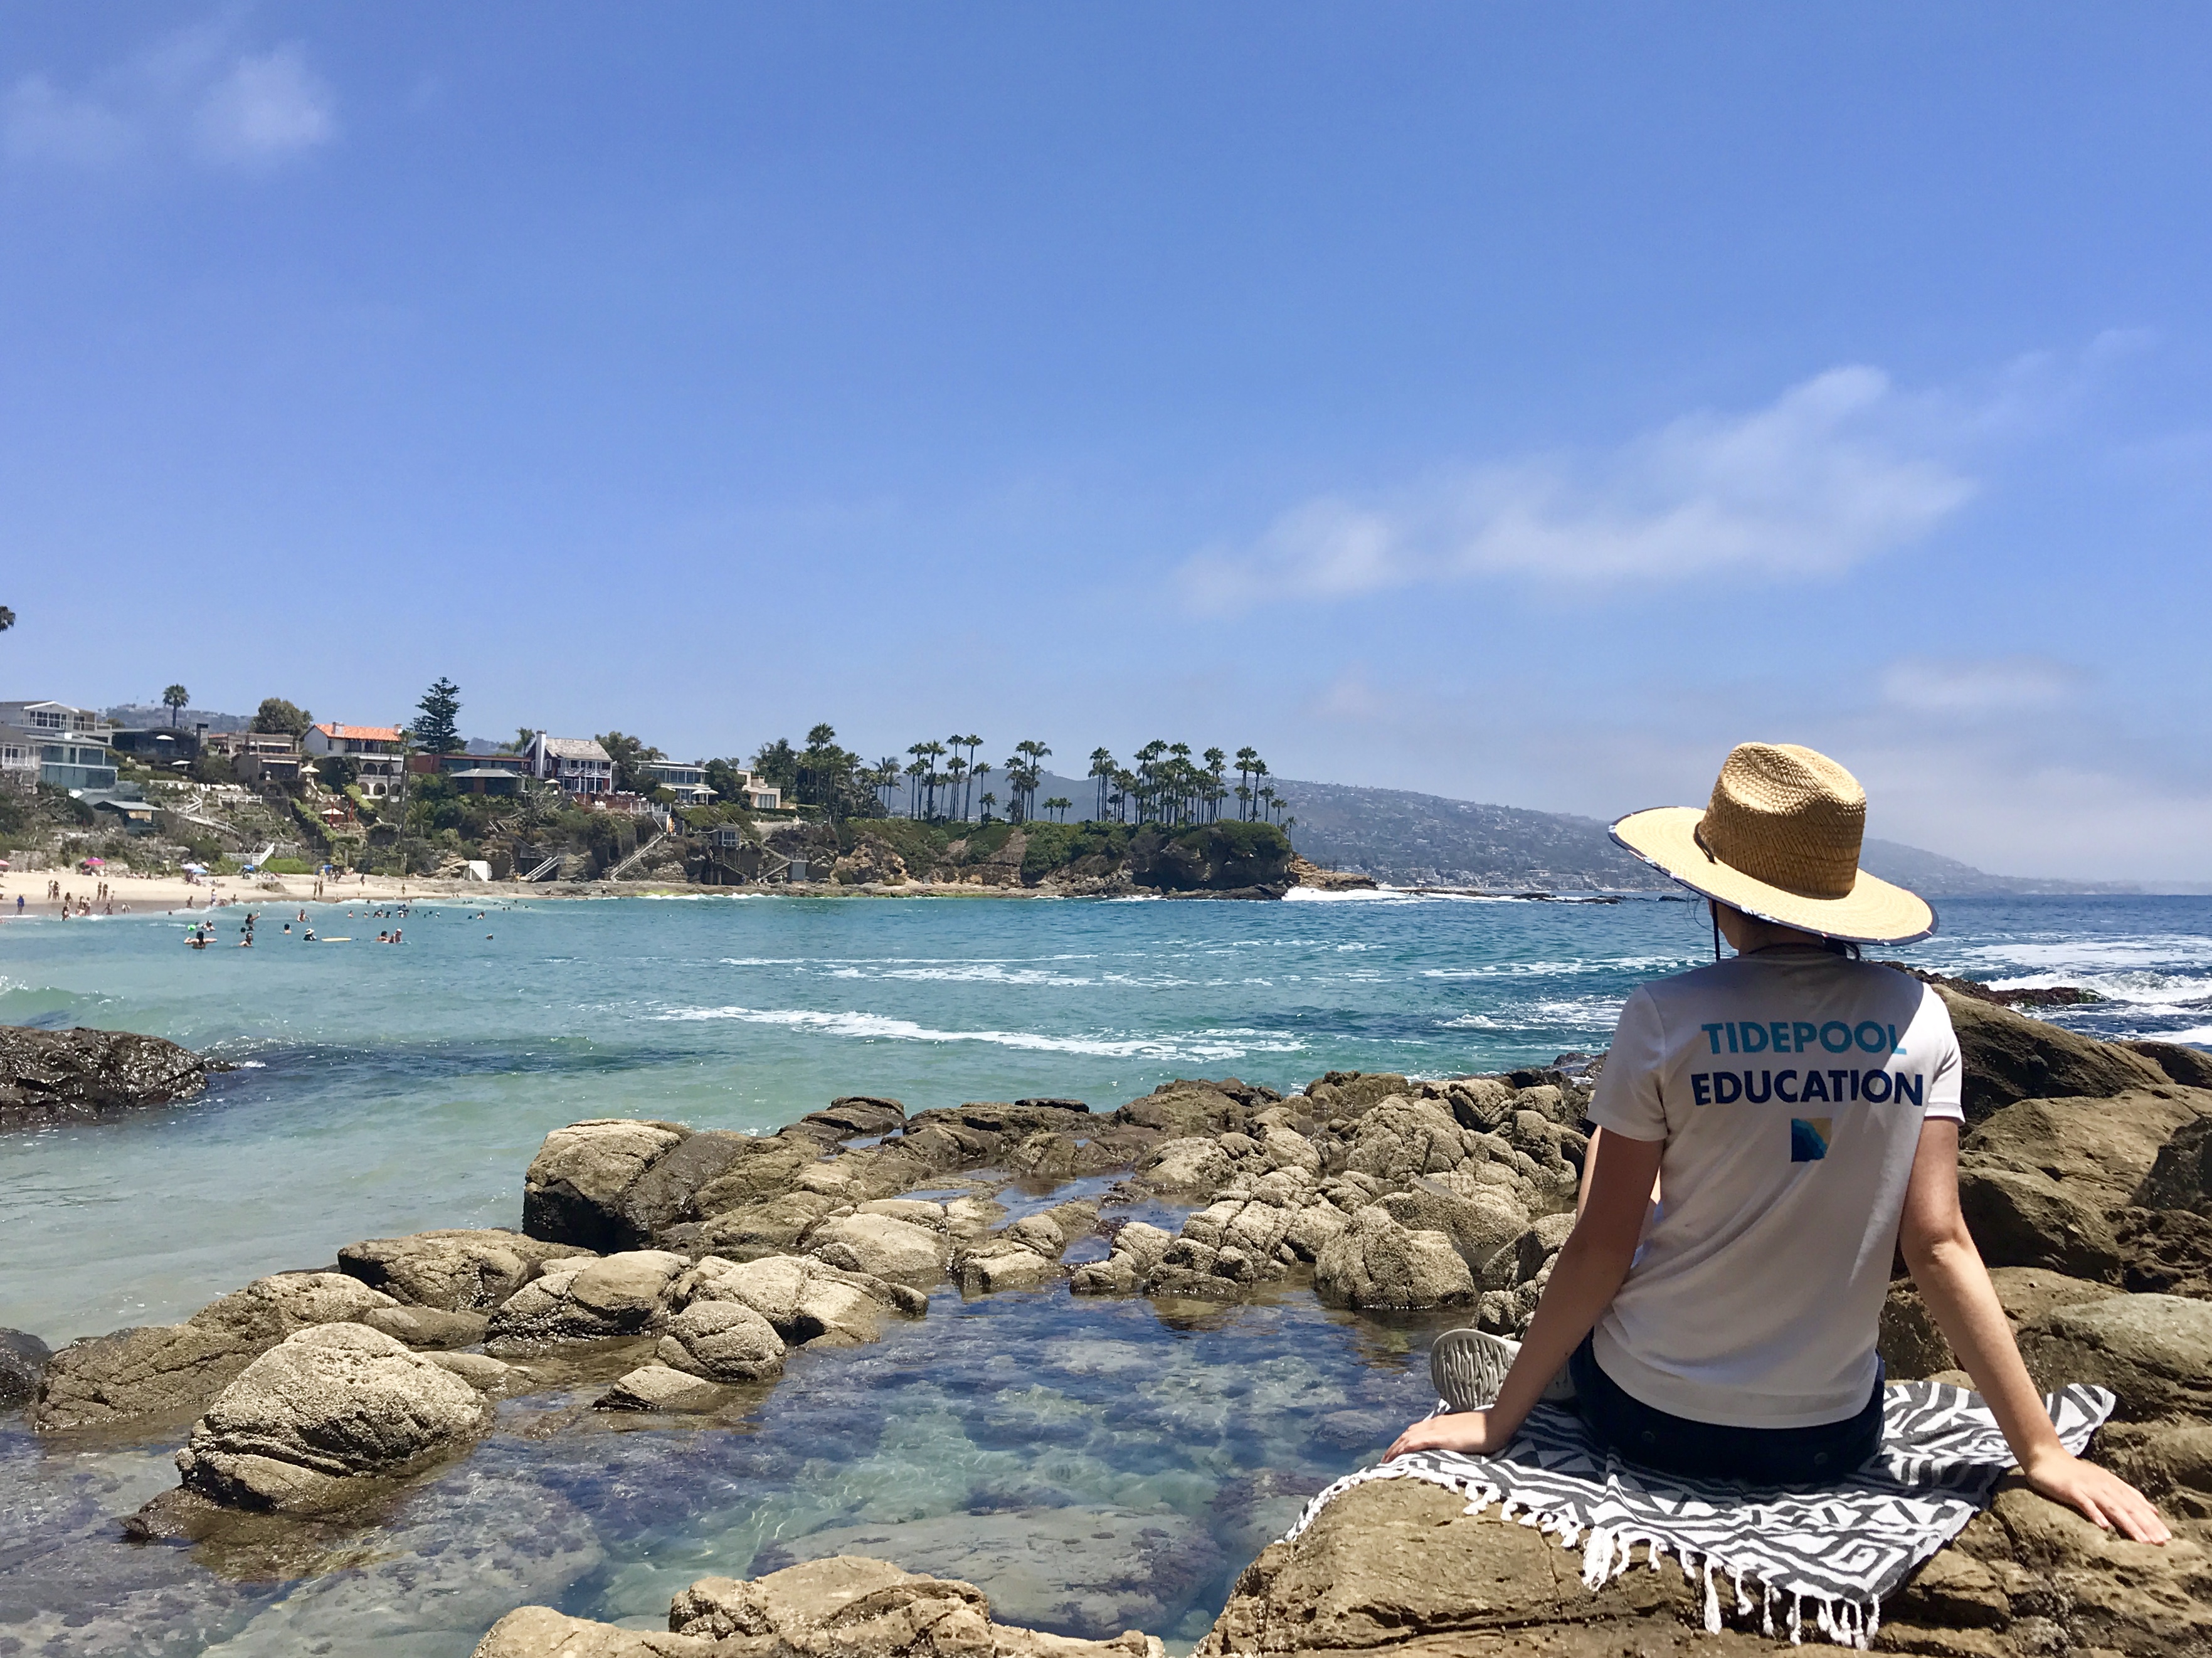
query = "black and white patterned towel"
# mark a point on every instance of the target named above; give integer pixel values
(1841, 1547)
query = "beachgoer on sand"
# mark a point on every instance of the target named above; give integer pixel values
(1771, 1131)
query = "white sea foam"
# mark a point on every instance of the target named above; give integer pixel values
(1198, 1045)
(2141, 987)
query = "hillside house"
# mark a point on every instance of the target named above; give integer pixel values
(582, 768)
(688, 783)
(259, 758)
(54, 743)
(377, 751)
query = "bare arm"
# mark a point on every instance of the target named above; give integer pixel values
(1584, 1279)
(1952, 1280)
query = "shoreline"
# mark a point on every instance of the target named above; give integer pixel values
(144, 894)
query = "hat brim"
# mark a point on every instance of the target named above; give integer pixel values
(1872, 913)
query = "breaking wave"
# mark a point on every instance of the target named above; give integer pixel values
(1198, 1045)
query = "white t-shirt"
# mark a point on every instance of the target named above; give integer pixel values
(1790, 1087)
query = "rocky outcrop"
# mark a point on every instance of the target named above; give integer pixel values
(2154, 1352)
(304, 1424)
(802, 1298)
(2010, 1057)
(176, 1370)
(1375, 1262)
(47, 1076)
(1397, 1566)
(2181, 1174)
(22, 1360)
(722, 1340)
(572, 1191)
(461, 1270)
(588, 1299)
(846, 1607)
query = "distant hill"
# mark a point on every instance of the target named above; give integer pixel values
(137, 716)
(1424, 840)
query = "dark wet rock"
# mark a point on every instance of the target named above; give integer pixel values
(2155, 1352)
(48, 1075)
(660, 1387)
(2164, 1251)
(668, 1193)
(429, 1327)
(176, 1370)
(2181, 1176)
(22, 1360)
(458, 1269)
(862, 1114)
(2010, 1057)
(321, 1411)
(2190, 1067)
(573, 1188)
(589, 1298)
(1375, 1262)
(722, 1341)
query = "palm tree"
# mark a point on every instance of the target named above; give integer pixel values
(1216, 763)
(1059, 803)
(915, 772)
(1101, 767)
(956, 773)
(176, 699)
(885, 778)
(989, 801)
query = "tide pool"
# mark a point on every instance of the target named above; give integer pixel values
(1095, 1464)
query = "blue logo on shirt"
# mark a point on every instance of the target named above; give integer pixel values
(1808, 1139)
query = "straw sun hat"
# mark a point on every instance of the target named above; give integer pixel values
(1780, 840)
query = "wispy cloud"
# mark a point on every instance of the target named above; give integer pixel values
(200, 93)
(1837, 470)
(2014, 684)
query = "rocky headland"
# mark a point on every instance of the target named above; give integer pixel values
(56, 1076)
(668, 1273)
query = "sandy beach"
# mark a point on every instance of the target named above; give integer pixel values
(142, 894)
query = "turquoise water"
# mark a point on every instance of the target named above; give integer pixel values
(389, 1089)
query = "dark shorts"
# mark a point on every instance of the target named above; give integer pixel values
(1709, 1450)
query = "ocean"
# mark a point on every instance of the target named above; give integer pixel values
(383, 1090)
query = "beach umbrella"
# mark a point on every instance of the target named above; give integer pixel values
(93, 863)
(195, 869)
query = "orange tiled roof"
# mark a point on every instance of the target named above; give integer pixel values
(338, 733)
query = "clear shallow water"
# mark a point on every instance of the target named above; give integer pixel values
(386, 1090)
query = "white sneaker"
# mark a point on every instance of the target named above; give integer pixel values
(1468, 1367)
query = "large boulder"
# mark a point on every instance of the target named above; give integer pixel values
(2155, 1352)
(766, 1168)
(22, 1360)
(1396, 1562)
(572, 1191)
(660, 1387)
(1479, 1224)
(1913, 1347)
(2026, 1218)
(667, 1193)
(457, 1269)
(884, 1246)
(2101, 1150)
(322, 1410)
(722, 1341)
(774, 1226)
(1375, 1262)
(2191, 1068)
(588, 1299)
(47, 1075)
(803, 1298)
(2009, 1057)
(174, 1370)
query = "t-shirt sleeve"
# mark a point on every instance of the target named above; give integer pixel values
(1628, 1101)
(1946, 1072)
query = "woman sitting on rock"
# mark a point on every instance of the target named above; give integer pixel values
(1798, 1110)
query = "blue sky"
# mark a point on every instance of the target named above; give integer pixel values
(1521, 404)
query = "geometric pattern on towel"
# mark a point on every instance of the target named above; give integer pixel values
(1840, 1547)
